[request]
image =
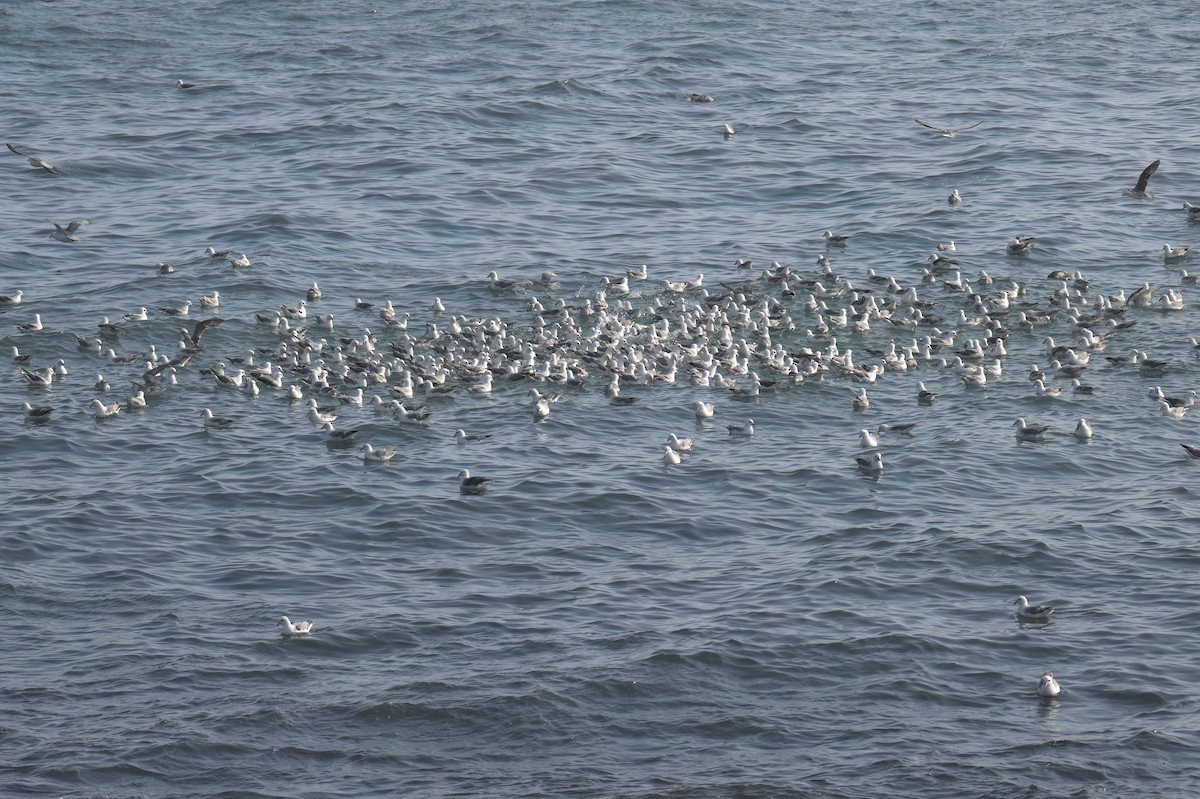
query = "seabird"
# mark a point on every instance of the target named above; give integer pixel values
(210, 301)
(181, 310)
(697, 98)
(11, 299)
(1174, 253)
(382, 455)
(867, 439)
(33, 160)
(671, 457)
(41, 413)
(289, 629)
(833, 240)
(1026, 432)
(1020, 245)
(949, 133)
(955, 198)
(499, 285)
(1032, 612)
(461, 436)
(240, 260)
(472, 484)
(680, 444)
(103, 411)
(746, 429)
(1049, 686)
(219, 422)
(924, 395)
(904, 429)
(68, 233)
(213, 252)
(183, 85)
(314, 292)
(871, 463)
(1192, 450)
(1139, 189)
(728, 130)
(704, 410)
(338, 436)
(43, 378)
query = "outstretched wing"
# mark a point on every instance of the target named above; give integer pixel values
(200, 327)
(924, 124)
(968, 127)
(15, 150)
(1144, 178)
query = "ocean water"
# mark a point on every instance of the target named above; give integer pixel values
(762, 620)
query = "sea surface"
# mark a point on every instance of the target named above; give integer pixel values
(764, 619)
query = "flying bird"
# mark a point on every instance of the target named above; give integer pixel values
(1139, 189)
(949, 133)
(33, 160)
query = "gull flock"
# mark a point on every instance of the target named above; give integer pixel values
(741, 336)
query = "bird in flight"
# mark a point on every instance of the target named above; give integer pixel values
(949, 133)
(1139, 189)
(33, 160)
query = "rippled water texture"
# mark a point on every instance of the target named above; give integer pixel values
(763, 620)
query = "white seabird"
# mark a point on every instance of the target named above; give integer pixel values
(218, 422)
(1048, 687)
(872, 463)
(746, 429)
(462, 437)
(182, 85)
(834, 240)
(12, 299)
(671, 457)
(472, 484)
(1171, 254)
(1026, 432)
(955, 198)
(102, 411)
(381, 455)
(68, 233)
(704, 410)
(39, 413)
(867, 439)
(290, 629)
(1032, 612)
(1083, 430)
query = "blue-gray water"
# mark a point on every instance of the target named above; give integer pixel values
(762, 620)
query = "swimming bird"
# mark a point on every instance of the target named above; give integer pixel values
(289, 629)
(461, 436)
(34, 161)
(833, 240)
(872, 463)
(1048, 687)
(41, 413)
(1027, 432)
(541, 409)
(924, 395)
(30, 326)
(1175, 412)
(904, 428)
(697, 98)
(704, 410)
(218, 422)
(746, 429)
(213, 252)
(1171, 254)
(867, 439)
(136, 402)
(43, 378)
(1020, 245)
(180, 310)
(338, 436)
(473, 484)
(496, 283)
(314, 292)
(136, 316)
(183, 85)
(955, 198)
(728, 130)
(949, 133)
(1192, 450)
(1083, 430)
(20, 357)
(103, 411)
(947, 246)
(671, 457)
(241, 260)
(210, 301)
(381, 455)
(67, 233)
(680, 444)
(1139, 189)
(1032, 612)
(11, 299)
(164, 268)
(860, 401)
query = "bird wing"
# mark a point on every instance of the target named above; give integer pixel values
(200, 327)
(78, 223)
(15, 150)
(924, 124)
(968, 127)
(1144, 178)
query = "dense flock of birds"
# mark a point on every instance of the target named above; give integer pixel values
(754, 331)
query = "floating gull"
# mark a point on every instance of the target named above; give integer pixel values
(495, 282)
(1083, 430)
(955, 198)
(240, 260)
(872, 463)
(43, 378)
(680, 444)
(671, 457)
(1026, 432)
(947, 247)
(41, 413)
(381, 455)
(338, 436)
(213, 252)
(12, 299)
(289, 629)
(68, 233)
(866, 439)
(314, 292)
(1020, 245)
(34, 161)
(1048, 687)
(704, 410)
(949, 133)
(860, 401)
(19, 357)
(181, 310)
(697, 98)
(1139, 189)
(472, 484)
(210, 301)
(1030, 612)
(219, 422)
(103, 411)
(834, 240)
(1172, 254)
(746, 429)
(183, 85)
(904, 429)
(924, 395)
(728, 130)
